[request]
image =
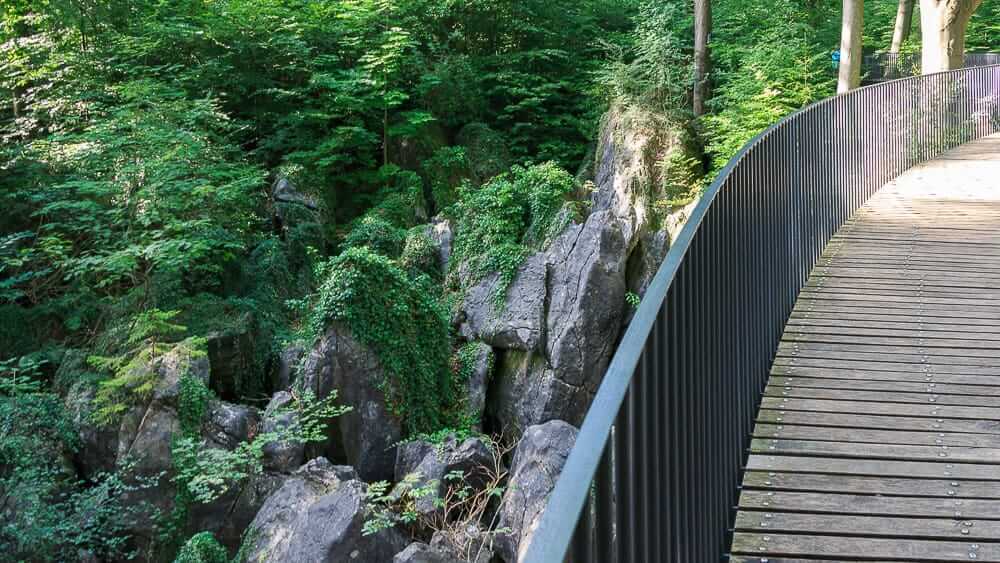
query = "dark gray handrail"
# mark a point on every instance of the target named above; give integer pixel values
(653, 475)
(881, 66)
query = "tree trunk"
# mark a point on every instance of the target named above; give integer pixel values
(850, 45)
(942, 27)
(904, 21)
(702, 29)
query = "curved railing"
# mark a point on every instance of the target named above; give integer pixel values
(878, 67)
(656, 467)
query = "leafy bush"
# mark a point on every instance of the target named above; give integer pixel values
(400, 319)
(202, 548)
(377, 235)
(502, 221)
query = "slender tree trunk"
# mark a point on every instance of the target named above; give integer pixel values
(850, 45)
(904, 21)
(942, 28)
(702, 29)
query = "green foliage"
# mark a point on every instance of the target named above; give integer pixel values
(502, 221)
(654, 72)
(632, 299)
(378, 235)
(420, 254)
(399, 318)
(445, 170)
(202, 548)
(134, 371)
(205, 473)
(772, 60)
(19, 376)
(48, 514)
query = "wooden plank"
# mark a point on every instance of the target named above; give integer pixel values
(875, 468)
(787, 360)
(930, 410)
(896, 341)
(877, 421)
(866, 485)
(921, 384)
(776, 522)
(875, 436)
(871, 505)
(863, 549)
(915, 329)
(853, 376)
(930, 395)
(855, 450)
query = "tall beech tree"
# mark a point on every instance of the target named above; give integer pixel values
(702, 29)
(904, 21)
(943, 24)
(852, 23)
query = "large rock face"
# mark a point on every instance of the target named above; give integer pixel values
(367, 436)
(147, 431)
(317, 517)
(537, 462)
(566, 309)
(585, 295)
(230, 360)
(98, 444)
(520, 323)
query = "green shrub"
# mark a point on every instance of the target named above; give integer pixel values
(202, 548)
(502, 221)
(399, 317)
(376, 234)
(420, 254)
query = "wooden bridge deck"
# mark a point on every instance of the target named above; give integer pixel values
(878, 438)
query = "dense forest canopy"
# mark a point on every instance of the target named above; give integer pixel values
(172, 171)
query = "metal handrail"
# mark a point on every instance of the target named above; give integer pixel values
(877, 67)
(656, 467)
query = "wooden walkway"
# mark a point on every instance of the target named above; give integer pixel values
(878, 438)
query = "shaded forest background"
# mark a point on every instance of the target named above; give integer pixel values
(139, 141)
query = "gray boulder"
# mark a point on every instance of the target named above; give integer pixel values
(418, 552)
(288, 366)
(226, 424)
(284, 191)
(537, 462)
(229, 516)
(440, 232)
(433, 462)
(317, 517)
(146, 433)
(366, 437)
(585, 294)
(98, 444)
(477, 383)
(468, 544)
(283, 456)
(520, 323)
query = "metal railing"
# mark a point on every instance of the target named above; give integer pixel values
(878, 67)
(656, 468)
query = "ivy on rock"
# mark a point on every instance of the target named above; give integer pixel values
(399, 317)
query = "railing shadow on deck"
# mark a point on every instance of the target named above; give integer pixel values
(656, 468)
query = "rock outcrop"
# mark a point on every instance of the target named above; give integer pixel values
(433, 462)
(418, 552)
(317, 516)
(519, 322)
(584, 297)
(366, 437)
(537, 462)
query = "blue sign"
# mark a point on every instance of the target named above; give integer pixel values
(836, 56)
